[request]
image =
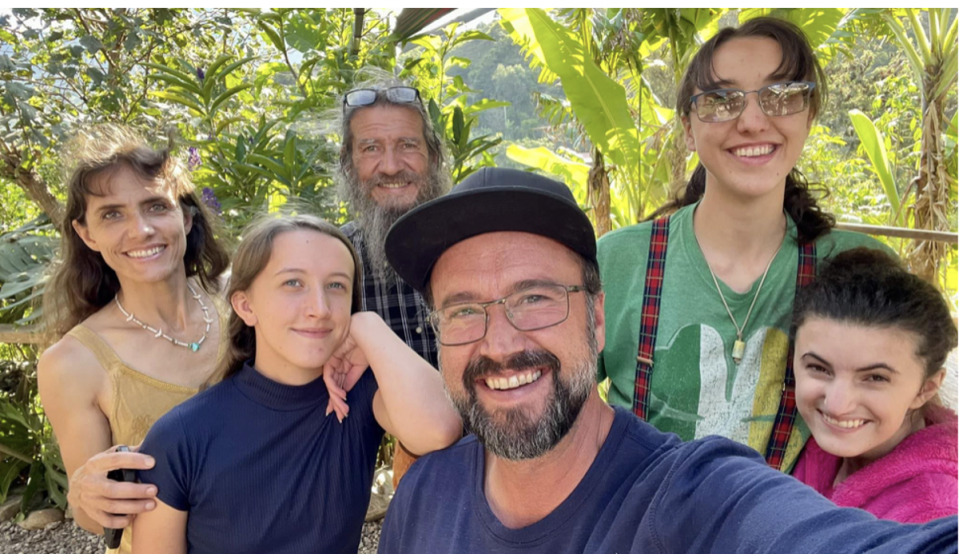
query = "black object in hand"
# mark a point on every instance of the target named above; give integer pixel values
(113, 536)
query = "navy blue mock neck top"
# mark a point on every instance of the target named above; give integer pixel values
(260, 467)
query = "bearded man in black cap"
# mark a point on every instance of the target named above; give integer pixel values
(508, 262)
(391, 161)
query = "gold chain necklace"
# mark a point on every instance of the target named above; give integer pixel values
(158, 333)
(739, 347)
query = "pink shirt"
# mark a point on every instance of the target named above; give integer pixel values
(914, 483)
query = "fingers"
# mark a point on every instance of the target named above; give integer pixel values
(110, 460)
(111, 503)
(334, 387)
(110, 491)
(339, 406)
(121, 508)
(118, 511)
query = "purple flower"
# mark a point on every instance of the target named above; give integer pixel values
(200, 74)
(195, 159)
(209, 198)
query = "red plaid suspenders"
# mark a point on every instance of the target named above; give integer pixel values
(786, 414)
(649, 322)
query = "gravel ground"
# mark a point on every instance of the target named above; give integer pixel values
(67, 538)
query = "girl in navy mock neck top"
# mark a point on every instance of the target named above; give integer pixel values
(255, 464)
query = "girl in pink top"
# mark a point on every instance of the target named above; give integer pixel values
(871, 341)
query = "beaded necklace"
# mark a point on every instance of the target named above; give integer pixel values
(158, 333)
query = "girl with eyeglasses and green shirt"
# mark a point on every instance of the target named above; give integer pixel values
(698, 303)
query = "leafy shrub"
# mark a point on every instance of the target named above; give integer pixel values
(30, 456)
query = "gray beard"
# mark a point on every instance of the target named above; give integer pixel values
(374, 220)
(521, 435)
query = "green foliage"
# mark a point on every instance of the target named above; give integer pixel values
(25, 254)
(29, 456)
(498, 70)
(824, 27)
(598, 101)
(250, 92)
(429, 66)
(875, 147)
(574, 173)
(583, 50)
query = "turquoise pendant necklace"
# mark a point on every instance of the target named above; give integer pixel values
(158, 333)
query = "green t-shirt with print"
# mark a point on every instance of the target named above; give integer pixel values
(696, 387)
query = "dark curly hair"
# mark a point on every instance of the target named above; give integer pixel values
(868, 287)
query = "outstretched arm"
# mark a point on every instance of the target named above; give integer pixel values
(70, 380)
(410, 403)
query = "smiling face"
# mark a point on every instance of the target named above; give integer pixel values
(518, 391)
(856, 385)
(390, 154)
(137, 226)
(749, 156)
(299, 304)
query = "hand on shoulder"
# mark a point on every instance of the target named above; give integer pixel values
(72, 383)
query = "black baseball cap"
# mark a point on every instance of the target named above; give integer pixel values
(490, 200)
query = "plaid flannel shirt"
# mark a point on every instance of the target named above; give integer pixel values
(401, 307)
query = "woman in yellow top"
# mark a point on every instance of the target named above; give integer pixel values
(131, 306)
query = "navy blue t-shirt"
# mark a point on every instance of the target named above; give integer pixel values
(647, 492)
(261, 468)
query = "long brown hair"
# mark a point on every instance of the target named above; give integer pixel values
(251, 257)
(798, 63)
(81, 282)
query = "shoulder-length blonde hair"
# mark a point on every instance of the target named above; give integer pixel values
(251, 257)
(81, 282)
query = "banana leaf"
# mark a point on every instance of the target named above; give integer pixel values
(875, 147)
(598, 101)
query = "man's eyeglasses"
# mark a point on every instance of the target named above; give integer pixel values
(367, 96)
(530, 309)
(777, 99)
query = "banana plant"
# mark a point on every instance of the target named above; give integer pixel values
(597, 103)
(825, 28)
(875, 146)
(573, 172)
(932, 51)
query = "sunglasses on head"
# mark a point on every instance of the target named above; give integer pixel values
(367, 96)
(777, 99)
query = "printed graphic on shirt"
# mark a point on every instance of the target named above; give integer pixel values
(728, 405)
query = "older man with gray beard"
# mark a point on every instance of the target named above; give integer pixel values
(391, 161)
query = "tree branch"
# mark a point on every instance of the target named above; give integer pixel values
(31, 182)
(296, 75)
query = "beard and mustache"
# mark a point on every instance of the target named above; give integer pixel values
(514, 433)
(375, 220)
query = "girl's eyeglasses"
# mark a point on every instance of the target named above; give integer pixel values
(777, 99)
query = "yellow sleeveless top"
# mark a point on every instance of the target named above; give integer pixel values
(139, 400)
